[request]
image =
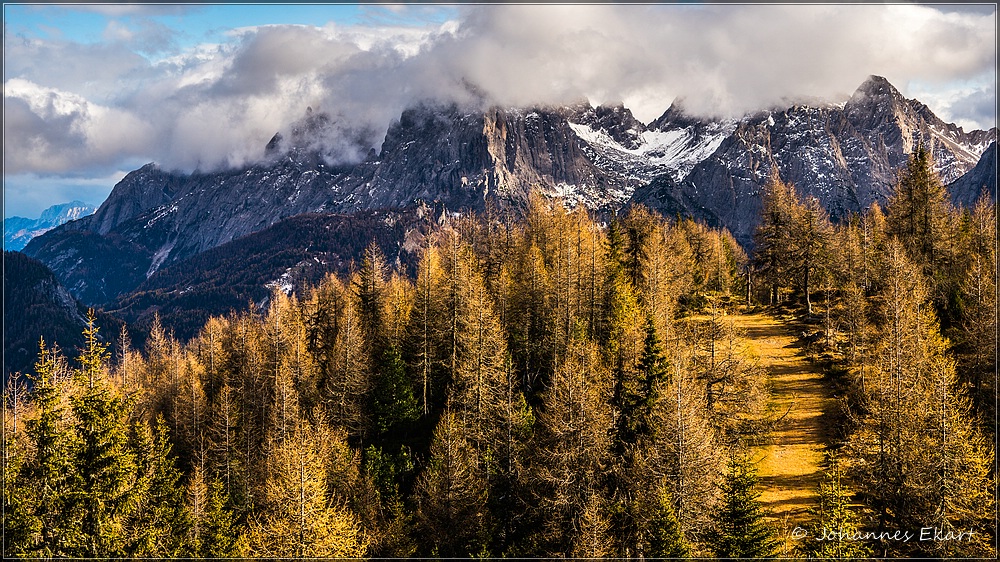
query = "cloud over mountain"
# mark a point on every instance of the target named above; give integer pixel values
(72, 107)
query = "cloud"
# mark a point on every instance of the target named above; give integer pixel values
(967, 105)
(47, 130)
(99, 72)
(978, 106)
(217, 105)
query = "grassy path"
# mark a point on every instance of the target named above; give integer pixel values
(790, 466)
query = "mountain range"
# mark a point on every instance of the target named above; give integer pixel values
(157, 230)
(18, 231)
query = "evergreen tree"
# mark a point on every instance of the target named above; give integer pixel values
(740, 527)
(105, 458)
(45, 517)
(834, 527)
(639, 227)
(212, 533)
(219, 533)
(919, 213)
(653, 374)
(773, 239)
(162, 522)
(629, 474)
(665, 537)
(370, 285)
(392, 402)
(20, 525)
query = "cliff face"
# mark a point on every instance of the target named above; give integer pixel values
(138, 192)
(980, 181)
(461, 159)
(539, 149)
(846, 156)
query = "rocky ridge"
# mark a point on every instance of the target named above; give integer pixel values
(465, 159)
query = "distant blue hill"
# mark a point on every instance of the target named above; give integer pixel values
(17, 231)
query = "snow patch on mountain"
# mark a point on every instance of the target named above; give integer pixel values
(285, 283)
(160, 256)
(161, 212)
(675, 151)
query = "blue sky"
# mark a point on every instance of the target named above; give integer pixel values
(94, 91)
(193, 24)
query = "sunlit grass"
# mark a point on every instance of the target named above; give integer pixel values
(790, 466)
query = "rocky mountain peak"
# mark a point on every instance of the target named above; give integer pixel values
(675, 117)
(66, 212)
(139, 191)
(876, 88)
(877, 101)
(18, 231)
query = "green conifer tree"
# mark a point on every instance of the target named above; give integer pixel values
(740, 529)
(652, 372)
(392, 399)
(632, 435)
(44, 516)
(219, 533)
(665, 537)
(162, 521)
(105, 459)
(919, 212)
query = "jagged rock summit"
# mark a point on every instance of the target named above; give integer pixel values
(847, 155)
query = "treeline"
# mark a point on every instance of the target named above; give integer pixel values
(528, 391)
(905, 302)
(541, 387)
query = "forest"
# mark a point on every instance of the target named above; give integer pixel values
(545, 385)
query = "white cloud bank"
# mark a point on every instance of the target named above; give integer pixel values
(70, 108)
